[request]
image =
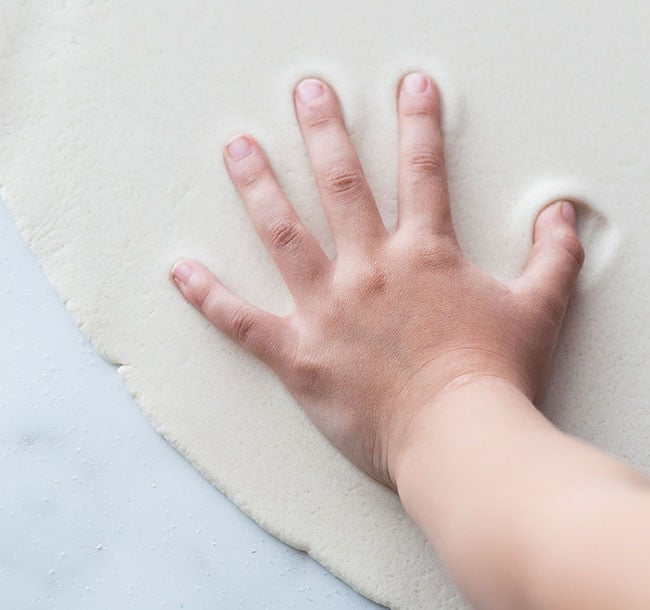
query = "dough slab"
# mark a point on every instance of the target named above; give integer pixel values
(112, 119)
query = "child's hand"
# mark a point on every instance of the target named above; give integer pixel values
(398, 315)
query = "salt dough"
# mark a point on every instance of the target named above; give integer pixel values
(112, 118)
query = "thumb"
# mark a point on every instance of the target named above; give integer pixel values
(555, 258)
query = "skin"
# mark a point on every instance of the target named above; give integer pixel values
(423, 370)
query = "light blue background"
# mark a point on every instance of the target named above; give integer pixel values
(96, 509)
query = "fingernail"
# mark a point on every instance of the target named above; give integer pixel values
(239, 147)
(569, 212)
(182, 272)
(414, 83)
(309, 90)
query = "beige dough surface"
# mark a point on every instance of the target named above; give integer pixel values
(112, 119)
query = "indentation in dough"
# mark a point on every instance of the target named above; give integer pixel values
(600, 239)
(598, 232)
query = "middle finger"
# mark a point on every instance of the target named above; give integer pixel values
(349, 205)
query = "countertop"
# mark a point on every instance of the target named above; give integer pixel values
(96, 509)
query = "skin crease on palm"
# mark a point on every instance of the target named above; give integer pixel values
(400, 314)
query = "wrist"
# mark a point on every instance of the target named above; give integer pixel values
(429, 414)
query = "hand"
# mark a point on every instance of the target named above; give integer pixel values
(397, 316)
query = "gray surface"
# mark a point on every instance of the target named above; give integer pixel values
(97, 510)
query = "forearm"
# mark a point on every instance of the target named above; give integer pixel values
(518, 510)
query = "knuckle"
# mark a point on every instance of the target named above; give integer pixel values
(252, 178)
(572, 245)
(372, 280)
(284, 233)
(322, 119)
(424, 106)
(205, 298)
(307, 370)
(438, 254)
(343, 178)
(241, 324)
(364, 278)
(425, 161)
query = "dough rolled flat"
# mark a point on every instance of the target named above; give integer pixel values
(112, 119)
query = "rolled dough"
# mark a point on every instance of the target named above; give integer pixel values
(112, 119)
